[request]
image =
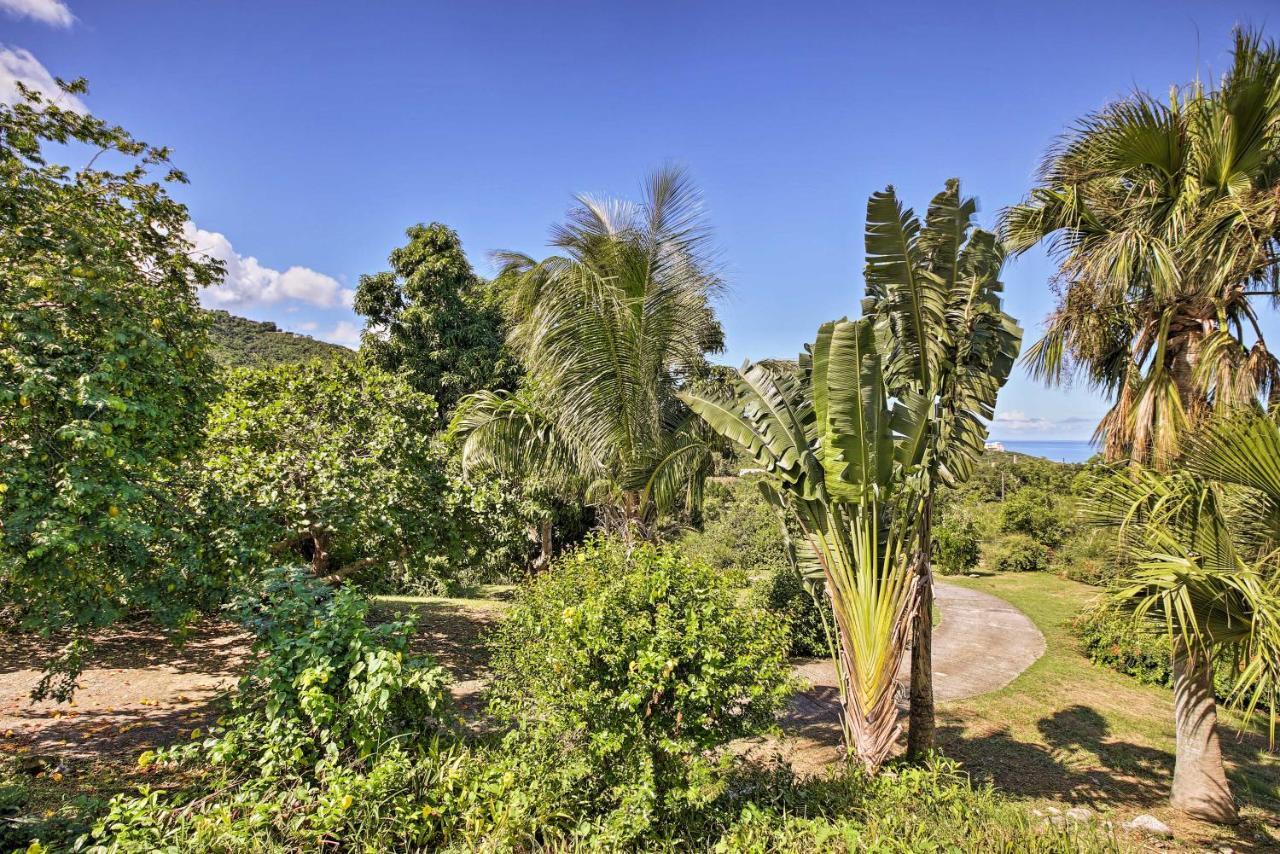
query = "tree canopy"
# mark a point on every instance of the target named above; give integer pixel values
(433, 319)
(104, 371)
(328, 463)
(1164, 218)
(609, 331)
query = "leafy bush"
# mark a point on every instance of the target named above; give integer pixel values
(1016, 553)
(783, 593)
(327, 686)
(929, 808)
(1034, 513)
(740, 531)
(331, 708)
(1091, 556)
(1111, 638)
(620, 673)
(955, 544)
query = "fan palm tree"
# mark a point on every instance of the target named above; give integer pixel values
(1211, 585)
(878, 412)
(608, 331)
(1164, 218)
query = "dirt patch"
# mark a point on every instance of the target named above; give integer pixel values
(141, 689)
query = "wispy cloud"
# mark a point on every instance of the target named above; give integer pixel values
(250, 283)
(52, 12)
(1018, 421)
(17, 65)
(345, 333)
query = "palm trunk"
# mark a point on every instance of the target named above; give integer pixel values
(1200, 787)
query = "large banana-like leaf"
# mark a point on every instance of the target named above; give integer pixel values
(909, 298)
(851, 409)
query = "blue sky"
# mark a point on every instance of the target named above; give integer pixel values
(315, 133)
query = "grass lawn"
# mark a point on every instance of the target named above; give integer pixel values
(1067, 730)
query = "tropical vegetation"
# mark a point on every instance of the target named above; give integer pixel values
(528, 571)
(855, 439)
(1163, 216)
(1164, 222)
(608, 332)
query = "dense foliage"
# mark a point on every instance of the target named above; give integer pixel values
(237, 342)
(327, 688)
(334, 463)
(740, 532)
(1035, 514)
(341, 738)
(104, 374)
(1017, 553)
(332, 709)
(619, 672)
(433, 321)
(955, 544)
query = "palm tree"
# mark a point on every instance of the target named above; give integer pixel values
(609, 331)
(1164, 218)
(878, 412)
(1210, 584)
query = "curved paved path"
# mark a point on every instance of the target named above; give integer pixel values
(981, 645)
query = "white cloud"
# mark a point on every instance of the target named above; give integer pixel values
(345, 333)
(19, 66)
(1017, 421)
(307, 326)
(52, 12)
(249, 282)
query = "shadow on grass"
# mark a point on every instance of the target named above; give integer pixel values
(1076, 738)
(1082, 761)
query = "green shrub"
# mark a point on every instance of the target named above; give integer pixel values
(327, 686)
(955, 544)
(925, 808)
(1016, 553)
(1034, 513)
(783, 593)
(621, 673)
(1112, 639)
(1091, 556)
(332, 709)
(740, 532)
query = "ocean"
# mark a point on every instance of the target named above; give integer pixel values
(1062, 452)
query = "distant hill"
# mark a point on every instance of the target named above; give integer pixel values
(240, 342)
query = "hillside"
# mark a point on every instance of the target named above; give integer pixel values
(239, 342)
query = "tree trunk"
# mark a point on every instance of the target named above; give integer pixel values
(544, 545)
(1200, 787)
(921, 725)
(920, 728)
(319, 553)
